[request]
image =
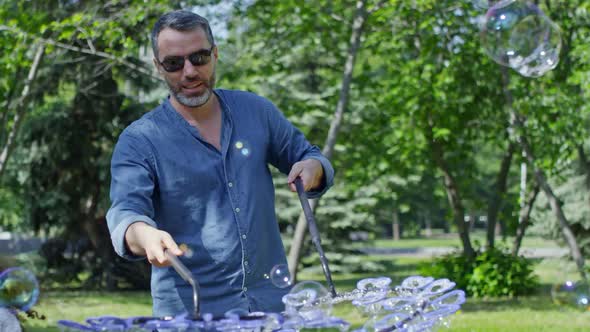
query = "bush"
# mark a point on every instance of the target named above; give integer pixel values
(494, 272)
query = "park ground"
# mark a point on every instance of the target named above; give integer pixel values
(535, 313)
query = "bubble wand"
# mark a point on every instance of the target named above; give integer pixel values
(315, 234)
(186, 274)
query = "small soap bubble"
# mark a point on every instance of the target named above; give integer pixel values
(571, 293)
(18, 288)
(280, 276)
(243, 148)
(266, 276)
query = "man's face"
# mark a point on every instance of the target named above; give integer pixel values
(192, 85)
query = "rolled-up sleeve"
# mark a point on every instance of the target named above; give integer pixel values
(288, 145)
(132, 187)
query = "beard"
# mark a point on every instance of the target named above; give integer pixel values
(193, 100)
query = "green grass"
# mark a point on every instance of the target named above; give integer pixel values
(531, 313)
(79, 305)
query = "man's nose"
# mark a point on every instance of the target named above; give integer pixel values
(190, 69)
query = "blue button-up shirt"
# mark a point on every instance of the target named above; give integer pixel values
(220, 203)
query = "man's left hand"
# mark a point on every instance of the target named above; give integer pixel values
(310, 171)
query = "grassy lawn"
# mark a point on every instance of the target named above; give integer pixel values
(532, 313)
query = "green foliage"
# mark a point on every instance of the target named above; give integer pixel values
(91, 83)
(10, 209)
(492, 273)
(421, 86)
(576, 197)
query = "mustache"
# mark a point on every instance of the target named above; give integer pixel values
(193, 80)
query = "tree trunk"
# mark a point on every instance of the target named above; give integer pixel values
(584, 165)
(498, 194)
(6, 104)
(518, 126)
(395, 225)
(472, 221)
(523, 190)
(458, 211)
(427, 225)
(523, 219)
(453, 194)
(20, 108)
(89, 222)
(358, 23)
(499, 229)
(555, 204)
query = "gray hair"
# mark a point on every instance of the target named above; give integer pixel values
(180, 20)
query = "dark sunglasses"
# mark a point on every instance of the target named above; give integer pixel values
(176, 62)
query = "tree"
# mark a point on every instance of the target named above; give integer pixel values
(87, 89)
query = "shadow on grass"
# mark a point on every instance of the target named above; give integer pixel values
(540, 301)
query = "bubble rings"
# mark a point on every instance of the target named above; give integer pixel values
(19, 288)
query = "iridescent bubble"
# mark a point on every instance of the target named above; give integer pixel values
(310, 300)
(18, 288)
(390, 321)
(373, 284)
(570, 293)
(415, 282)
(370, 304)
(243, 148)
(280, 276)
(519, 35)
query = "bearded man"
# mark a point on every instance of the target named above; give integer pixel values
(195, 171)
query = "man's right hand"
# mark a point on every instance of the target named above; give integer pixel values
(145, 240)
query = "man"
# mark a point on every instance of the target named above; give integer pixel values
(195, 171)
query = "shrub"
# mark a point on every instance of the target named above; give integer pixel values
(494, 272)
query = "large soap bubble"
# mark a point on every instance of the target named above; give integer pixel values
(309, 300)
(519, 35)
(18, 288)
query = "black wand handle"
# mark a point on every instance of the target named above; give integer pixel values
(315, 234)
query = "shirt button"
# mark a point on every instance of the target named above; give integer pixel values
(230, 184)
(245, 289)
(237, 209)
(244, 236)
(246, 263)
